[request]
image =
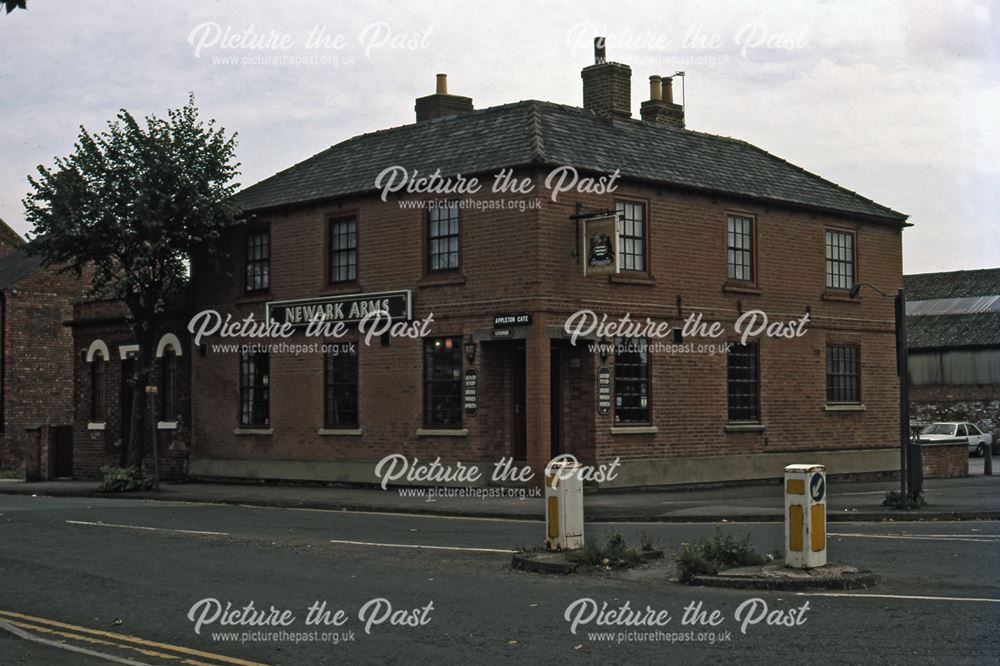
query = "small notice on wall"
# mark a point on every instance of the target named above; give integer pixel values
(603, 390)
(471, 388)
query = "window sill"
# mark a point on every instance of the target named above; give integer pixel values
(346, 288)
(853, 407)
(840, 296)
(638, 278)
(741, 288)
(254, 298)
(253, 431)
(340, 432)
(166, 425)
(745, 427)
(96, 426)
(443, 280)
(633, 430)
(442, 432)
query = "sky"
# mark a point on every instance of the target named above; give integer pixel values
(896, 100)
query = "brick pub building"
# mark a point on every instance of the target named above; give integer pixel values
(707, 225)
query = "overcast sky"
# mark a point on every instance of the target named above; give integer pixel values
(895, 100)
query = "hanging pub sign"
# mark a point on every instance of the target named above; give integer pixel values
(348, 309)
(600, 245)
(471, 388)
(603, 390)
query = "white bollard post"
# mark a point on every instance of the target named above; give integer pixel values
(805, 516)
(563, 506)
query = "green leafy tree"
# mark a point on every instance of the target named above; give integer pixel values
(129, 207)
(11, 5)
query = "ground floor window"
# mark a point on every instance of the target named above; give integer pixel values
(254, 392)
(443, 382)
(97, 393)
(340, 386)
(168, 385)
(632, 380)
(743, 378)
(842, 377)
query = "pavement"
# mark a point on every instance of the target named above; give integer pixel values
(970, 498)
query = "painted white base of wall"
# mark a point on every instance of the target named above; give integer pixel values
(632, 473)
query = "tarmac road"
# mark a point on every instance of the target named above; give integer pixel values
(120, 577)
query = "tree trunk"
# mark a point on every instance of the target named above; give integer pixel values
(145, 335)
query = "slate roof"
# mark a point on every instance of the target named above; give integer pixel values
(546, 134)
(941, 331)
(16, 266)
(953, 284)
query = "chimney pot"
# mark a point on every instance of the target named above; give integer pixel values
(442, 84)
(599, 53)
(655, 88)
(668, 89)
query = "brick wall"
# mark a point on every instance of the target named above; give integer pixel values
(523, 261)
(37, 359)
(93, 449)
(979, 404)
(945, 462)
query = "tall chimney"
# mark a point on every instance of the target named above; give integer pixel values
(607, 86)
(441, 104)
(660, 109)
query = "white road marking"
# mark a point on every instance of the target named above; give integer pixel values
(906, 597)
(20, 633)
(140, 527)
(394, 514)
(973, 538)
(412, 545)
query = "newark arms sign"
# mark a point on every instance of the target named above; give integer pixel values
(348, 309)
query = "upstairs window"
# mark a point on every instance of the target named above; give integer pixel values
(631, 235)
(839, 259)
(343, 250)
(258, 260)
(443, 238)
(739, 248)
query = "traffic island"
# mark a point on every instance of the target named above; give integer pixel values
(574, 561)
(776, 576)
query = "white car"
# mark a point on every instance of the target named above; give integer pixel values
(977, 439)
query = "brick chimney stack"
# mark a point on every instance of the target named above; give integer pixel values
(660, 108)
(441, 104)
(607, 86)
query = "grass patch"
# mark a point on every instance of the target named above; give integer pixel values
(707, 557)
(123, 479)
(613, 552)
(11, 473)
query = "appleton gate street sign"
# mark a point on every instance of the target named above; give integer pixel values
(347, 309)
(508, 319)
(600, 245)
